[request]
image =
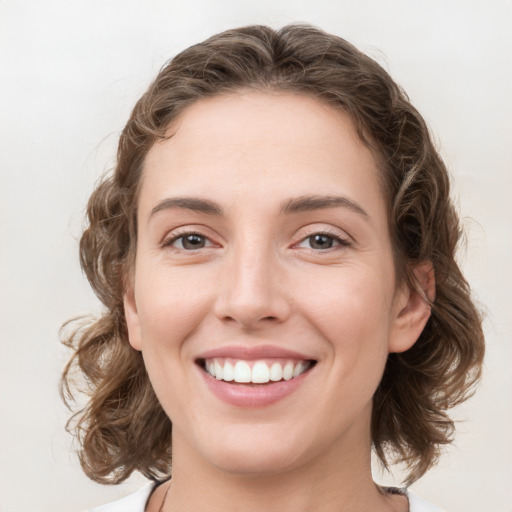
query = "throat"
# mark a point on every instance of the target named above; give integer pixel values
(298, 490)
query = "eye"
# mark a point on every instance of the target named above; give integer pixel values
(323, 241)
(188, 242)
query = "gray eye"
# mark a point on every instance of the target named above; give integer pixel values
(192, 241)
(320, 241)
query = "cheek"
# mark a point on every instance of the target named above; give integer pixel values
(350, 302)
(353, 313)
(168, 317)
(170, 307)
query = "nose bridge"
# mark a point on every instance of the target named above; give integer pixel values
(250, 291)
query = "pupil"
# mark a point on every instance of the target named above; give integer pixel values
(193, 242)
(321, 242)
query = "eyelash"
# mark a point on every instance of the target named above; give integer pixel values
(168, 242)
(340, 241)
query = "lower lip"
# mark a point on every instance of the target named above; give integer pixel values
(253, 395)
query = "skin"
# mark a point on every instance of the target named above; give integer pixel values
(257, 280)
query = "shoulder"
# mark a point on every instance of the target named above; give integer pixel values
(418, 504)
(135, 502)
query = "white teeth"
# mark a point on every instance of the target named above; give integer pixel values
(260, 373)
(229, 372)
(288, 371)
(242, 372)
(219, 371)
(276, 372)
(299, 368)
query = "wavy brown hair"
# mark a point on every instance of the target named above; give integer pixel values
(122, 427)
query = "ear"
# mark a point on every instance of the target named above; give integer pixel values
(132, 319)
(412, 309)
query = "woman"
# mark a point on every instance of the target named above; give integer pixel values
(275, 253)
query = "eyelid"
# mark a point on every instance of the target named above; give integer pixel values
(342, 240)
(333, 232)
(339, 242)
(183, 231)
(342, 237)
(170, 242)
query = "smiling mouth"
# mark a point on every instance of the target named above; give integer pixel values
(243, 371)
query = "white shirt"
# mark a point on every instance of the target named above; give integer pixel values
(136, 502)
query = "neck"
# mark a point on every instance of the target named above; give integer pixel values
(338, 481)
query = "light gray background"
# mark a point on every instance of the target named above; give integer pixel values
(70, 71)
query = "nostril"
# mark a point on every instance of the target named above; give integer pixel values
(250, 320)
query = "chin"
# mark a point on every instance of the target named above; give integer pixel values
(263, 463)
(254, 455)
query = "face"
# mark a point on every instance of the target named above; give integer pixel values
(263, 294)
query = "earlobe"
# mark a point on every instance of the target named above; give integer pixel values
(413, 309)
(132, 320)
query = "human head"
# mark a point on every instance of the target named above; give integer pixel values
(123, 417)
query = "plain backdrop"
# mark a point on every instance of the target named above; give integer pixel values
(71, 70)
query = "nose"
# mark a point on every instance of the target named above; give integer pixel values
(252, 292)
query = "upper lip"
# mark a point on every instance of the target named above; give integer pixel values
(253, 353)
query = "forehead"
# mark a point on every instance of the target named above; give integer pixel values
(250, 143)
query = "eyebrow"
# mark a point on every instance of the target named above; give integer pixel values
(188, 203)
(294, 205)
(309, 203)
